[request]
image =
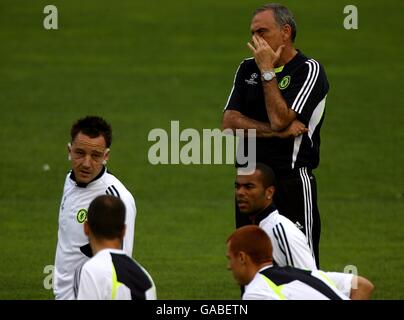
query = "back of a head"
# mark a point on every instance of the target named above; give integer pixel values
(106, 217)
(92, 126)
(253, 241)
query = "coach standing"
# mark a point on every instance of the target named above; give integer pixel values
(276, 90)
(88, 152)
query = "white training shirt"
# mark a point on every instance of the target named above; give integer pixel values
(112, 275)
(289, 244)
(288, 283)
(73, 212)
(343, 281)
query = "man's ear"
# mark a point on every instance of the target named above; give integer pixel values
(286, 32)
(242, 256)
(106, 154)
(123, 232)
(86, 228)
(269, 192)
(69, 151)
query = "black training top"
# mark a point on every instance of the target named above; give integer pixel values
(304, 86)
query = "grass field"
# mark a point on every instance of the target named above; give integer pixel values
(142, 64)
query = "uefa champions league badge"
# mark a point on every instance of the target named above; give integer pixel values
(81, 215)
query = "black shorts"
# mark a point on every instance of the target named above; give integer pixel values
(296, 198)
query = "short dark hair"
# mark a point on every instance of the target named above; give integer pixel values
(252, 240)
(282, 16)
(267, 174)
(93, 127)
(106, 217)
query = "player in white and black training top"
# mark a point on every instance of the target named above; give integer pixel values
(111, 274)
(88, 152)
(249, 252)
(254, 195)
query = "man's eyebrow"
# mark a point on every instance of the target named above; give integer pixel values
(258, 30)
(247, 184)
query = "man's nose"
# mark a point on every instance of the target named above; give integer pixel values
(240, 191)
(87, 161)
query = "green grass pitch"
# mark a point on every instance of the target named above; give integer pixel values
(142, 64)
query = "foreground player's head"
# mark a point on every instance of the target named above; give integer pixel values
(88, 150)
(248, 250)
(254, 191)
(105, 223)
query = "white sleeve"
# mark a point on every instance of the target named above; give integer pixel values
(258, 289)
(293, 248)
(88, 289)
(259, 296)
(130, 206)
(151, 293)
(343, 281)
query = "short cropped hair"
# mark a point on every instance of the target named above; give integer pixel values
(282, 16)
(267, 174)
(93, 127)
(106, 217)
(253, 241)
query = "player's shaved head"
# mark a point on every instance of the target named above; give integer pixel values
(267, 175)
(253, 241)
(106, 217)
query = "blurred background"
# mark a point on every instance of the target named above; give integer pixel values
(142, 64)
